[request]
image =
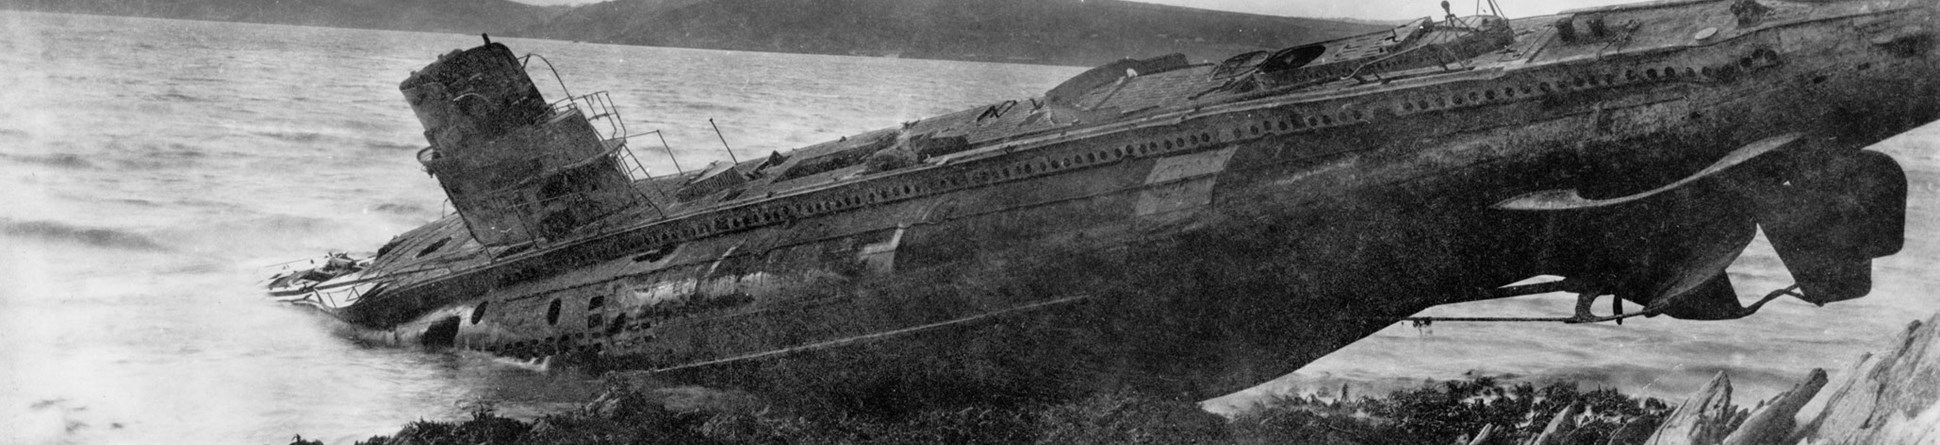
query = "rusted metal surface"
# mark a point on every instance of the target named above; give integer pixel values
(1227, 222)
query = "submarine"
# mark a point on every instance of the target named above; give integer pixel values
(1175, 228)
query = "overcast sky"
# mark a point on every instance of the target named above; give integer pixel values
(1361, 9)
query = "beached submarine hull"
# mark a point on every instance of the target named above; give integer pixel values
(1175, 231)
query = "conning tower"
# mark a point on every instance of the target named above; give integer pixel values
(516, 168)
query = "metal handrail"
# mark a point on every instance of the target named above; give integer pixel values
(597, 106)
(555, 71)
(630, 164)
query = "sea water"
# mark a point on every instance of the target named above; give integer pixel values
(153, 171)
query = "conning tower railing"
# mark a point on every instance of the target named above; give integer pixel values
(597, 108)
(520, 169)
(586, 210)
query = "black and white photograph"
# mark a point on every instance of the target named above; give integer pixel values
(1491, 222)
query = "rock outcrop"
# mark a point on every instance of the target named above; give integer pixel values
(1891, 397)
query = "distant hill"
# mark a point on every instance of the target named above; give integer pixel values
(1064, 32)
(459, 16)
(1389, 23)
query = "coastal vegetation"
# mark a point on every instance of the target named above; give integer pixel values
(1457, 412)
(1888, 397)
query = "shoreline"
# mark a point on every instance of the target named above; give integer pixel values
(1889, 396)
(1441, 413)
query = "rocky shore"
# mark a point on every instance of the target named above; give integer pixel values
(1451, 412)
(1889, 397)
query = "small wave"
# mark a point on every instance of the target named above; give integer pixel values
(198, 80)
(200, 203)
(58, 232)
(278, 224)
(173, 96)
(78, 79)
(712, 108)
(152, 155)
(63, 160)
(293, 136)
(393, 146)
(278, 234)
(400, 209)
(364, 124)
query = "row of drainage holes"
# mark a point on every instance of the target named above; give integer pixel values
(1005, 173)
(1194, 140)
(1668, 73)
(905, 190)
(1293, 123)
(1312, 121)
(1028, 168)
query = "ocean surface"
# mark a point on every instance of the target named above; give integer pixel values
(150, 170)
